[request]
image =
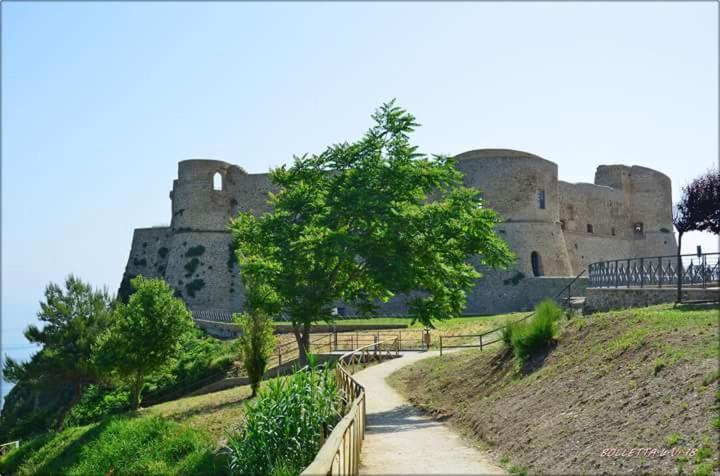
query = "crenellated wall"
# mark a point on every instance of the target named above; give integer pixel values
(545, 224)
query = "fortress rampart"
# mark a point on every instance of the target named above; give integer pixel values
(555, 228)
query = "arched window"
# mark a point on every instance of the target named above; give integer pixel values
(217, 181)
(536, 263)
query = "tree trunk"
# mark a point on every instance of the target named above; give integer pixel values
(302, 337)
(76, 398)
(679, 269)
(136, 390)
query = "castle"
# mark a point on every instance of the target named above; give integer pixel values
(555, 228)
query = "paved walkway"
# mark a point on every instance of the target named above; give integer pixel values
(402, 440)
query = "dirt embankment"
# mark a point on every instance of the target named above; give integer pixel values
(627, 391)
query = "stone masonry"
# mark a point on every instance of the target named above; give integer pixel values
(556, 228)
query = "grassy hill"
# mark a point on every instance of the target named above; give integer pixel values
(634, 379)
(177, 437)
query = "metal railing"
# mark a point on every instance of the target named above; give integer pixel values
(495, 335)
(217, 316)
(340, 452)
(656, 271)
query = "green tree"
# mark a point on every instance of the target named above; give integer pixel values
(365, 221)
(73, 319)
(257, 340)
(145, 336)
(697, 210)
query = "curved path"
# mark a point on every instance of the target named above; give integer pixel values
(402, 440)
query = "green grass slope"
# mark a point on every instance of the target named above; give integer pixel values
(118, 445)
(615, 386)
(172, 438)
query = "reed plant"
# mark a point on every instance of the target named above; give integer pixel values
(283, 430)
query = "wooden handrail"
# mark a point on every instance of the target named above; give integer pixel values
(7, 447)
(340, 453)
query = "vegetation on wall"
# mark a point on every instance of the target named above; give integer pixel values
(195, 251)
(232, 260)
(191, 266)
(194, 286)
(517, 277)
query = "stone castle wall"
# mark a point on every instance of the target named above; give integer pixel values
(576, 224)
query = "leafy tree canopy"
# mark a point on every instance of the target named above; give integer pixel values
(699, 206)
(365, 221)
(145, 335)
(73, 319)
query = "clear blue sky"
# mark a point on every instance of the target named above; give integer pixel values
(101, 100)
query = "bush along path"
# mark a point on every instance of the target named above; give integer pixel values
(402, 440)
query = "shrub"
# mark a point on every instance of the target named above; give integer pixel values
(98, 402)
(528, 338)
(281, 433)
(256, 344)
(508, 331)
(201, 357)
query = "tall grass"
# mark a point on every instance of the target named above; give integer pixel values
(119, 446)
(527, 338)
(282, 431)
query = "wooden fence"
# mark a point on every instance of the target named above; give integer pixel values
(457, 341)
(8, 447)
(340, 453)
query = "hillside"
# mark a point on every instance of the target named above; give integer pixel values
(624, 380)
(177, 437)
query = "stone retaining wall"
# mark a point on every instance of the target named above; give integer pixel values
(605, 299)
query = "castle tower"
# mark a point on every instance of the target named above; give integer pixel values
(523, 189)
(648, 197)
(203, 195)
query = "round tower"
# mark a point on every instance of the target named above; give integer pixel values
(203, 195)
(523, 189)
(648, 197)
